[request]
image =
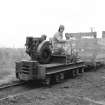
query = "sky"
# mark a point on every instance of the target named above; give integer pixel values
(21, 18)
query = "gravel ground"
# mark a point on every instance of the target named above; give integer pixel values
(86, 89)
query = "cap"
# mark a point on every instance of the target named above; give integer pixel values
(61, 27)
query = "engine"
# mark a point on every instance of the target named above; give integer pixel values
(43, 51)
(38, 49)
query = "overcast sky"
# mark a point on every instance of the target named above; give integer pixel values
(21, 18)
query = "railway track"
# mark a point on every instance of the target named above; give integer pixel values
(17, 88)
(11, 97)
(7, 85)
(13, 88)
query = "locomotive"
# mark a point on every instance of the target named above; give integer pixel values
(48, 63)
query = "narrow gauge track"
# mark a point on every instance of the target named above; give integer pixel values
(7, 85)
(17, 88)
(12, 88)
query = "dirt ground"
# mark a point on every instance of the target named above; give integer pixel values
(86, 89)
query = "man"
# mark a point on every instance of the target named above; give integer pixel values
(67, 44)
(67, 36)
(58, 36)
(58, 42)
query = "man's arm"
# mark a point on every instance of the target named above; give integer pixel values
(59, 38)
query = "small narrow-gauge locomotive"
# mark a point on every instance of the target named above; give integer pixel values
(48, 63)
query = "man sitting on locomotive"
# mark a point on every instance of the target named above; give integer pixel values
(58, 42)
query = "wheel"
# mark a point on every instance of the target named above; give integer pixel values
(17, 75)
(46, 81)
(82, 70)
(57, 78)
(61, 76)
(73, 73)
(77, 72)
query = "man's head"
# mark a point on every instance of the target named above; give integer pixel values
(67, 36)
(61, 28)
(43, 37)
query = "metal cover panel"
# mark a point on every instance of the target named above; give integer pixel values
(41, 72)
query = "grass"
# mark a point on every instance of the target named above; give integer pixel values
(8, 57)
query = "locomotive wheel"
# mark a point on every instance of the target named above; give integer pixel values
(77, 72)
(57, 78)
(47, 81)
(82, 70)
(17, 75)
(61, 76)
(73, 73)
